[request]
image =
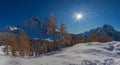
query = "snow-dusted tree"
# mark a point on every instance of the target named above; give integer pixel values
(52, 24)
(77, 39)
(69, 39)
(6, 48)
(104, 38)
(98, 38)
(14, 44)
(53, 20)
(61, 40)
(31, 49)
(39, 48)
(50, 27)
(56, 44)
(25, 44)
(50, 46)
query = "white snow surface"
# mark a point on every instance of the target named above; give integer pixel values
(94, 53)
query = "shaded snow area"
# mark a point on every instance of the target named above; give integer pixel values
(94, 53)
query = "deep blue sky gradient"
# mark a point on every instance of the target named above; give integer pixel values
(99, 12)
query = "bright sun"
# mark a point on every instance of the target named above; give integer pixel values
(79, 16)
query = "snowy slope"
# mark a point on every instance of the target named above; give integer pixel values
(94, 53)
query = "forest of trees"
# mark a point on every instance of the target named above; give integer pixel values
(98, 38)
(21, 45)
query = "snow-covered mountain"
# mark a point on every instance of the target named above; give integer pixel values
(94, 53)
(35, 28)
(104, 30)
(12, 29)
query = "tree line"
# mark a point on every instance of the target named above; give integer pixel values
(21, 45)
(18, 45)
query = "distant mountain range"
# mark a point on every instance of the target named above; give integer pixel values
(48, 29)
(104, 30)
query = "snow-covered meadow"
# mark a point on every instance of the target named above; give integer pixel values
(94, 53)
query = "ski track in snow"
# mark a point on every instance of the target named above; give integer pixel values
(94, 53)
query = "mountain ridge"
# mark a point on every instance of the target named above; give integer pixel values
(35, 28)
(47, 29)
(106, 29)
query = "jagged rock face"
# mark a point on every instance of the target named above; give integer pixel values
(44, 24)
(34, 22)
(104, 30)
(109, 29)
(38, 29)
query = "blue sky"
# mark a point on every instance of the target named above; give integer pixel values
(98, 12)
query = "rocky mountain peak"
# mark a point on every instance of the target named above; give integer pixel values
(106, 29)
(33, 22)
(109, 28)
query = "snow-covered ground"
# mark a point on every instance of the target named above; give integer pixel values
(94, 53)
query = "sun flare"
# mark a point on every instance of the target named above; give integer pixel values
(79, 16)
